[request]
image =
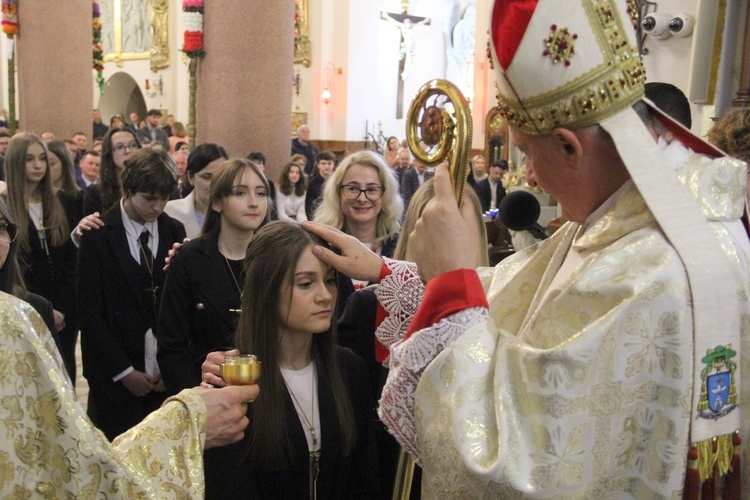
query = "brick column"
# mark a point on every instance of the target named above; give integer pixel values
(54, 60)
(244, 94)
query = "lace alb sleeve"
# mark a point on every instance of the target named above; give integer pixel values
(400, 294)
(409, 358)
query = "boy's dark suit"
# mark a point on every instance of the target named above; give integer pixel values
(116, 310)
(484, 191)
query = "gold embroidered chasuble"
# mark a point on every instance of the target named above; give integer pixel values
(50, 449)
(584, 390)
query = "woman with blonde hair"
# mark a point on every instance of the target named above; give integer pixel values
(478, 170)
(179, 134)
(361, 198)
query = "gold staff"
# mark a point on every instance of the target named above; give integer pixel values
(436, 133)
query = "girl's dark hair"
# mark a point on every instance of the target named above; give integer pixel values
(110, 183)
(202, 155)
(61, 150)
(199, 157)
(286, 186)
(11, 277)
(15, 172)
(268, 274)
(221, 188)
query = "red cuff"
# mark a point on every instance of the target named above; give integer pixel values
(448, 294)
(381, 351)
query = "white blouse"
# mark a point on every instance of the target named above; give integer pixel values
(290, 207)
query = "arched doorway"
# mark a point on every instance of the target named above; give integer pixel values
(121, 95)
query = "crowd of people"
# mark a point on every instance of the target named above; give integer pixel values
(611, 359)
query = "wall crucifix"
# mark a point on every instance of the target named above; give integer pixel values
(405, 24)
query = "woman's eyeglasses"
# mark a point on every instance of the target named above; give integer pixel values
(8, 232)
(352, 192)
(122, 147)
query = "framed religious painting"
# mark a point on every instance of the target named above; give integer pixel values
(298, 118)
(135, 29)
(302, 50)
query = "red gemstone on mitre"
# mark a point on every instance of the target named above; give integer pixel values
(510, 18)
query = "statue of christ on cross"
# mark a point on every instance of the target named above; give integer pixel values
(405, 24)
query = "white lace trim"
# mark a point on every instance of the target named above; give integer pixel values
(409, 358)
(400, 294)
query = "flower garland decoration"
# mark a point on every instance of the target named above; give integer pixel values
(10, 17)
(98, 48)
(192, 19)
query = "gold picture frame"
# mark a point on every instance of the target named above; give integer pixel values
(298, 118)
(148, 19)
(302, 49)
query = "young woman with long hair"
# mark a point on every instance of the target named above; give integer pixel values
(290, 197)
(201, 297)
(391, 151)
(310, 431)
(44, 217)
(62, 169)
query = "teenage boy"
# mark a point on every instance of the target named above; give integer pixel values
(324, 164)
(119, 284)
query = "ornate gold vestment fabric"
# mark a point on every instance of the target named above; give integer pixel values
(50, 449)
(580, 390)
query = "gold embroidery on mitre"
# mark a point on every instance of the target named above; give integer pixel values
(605, 89)
(560, 46)
(633, 13)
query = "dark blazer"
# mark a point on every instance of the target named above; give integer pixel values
(195, 316)
(229, 473)
(309, 151)
(410, 183)
(161, 136)
(115, 312)
(314, 195)
(356, 330)
(92, 200)
(485, 193)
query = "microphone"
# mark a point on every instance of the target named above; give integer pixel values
(520, 211)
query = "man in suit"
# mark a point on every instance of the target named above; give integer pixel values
(90, 163)
(302, 145)
(119, 282)
(412, 179)
(490, 189)
(152, 133)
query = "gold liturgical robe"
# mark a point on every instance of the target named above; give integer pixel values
(50, 449)
(576, 385)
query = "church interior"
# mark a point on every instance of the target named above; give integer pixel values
(347, 69)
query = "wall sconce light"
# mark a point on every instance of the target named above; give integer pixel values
(325, 96)
(158, 87)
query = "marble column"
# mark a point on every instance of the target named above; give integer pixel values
(244, 94)
(54, 60)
